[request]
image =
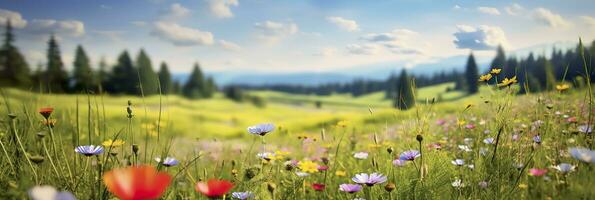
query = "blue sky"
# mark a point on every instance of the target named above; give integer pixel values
(294, 36)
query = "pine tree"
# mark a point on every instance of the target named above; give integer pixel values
(165, 79)
(147, 76)
(56, 77)
(194, 87)
(124, 77)
(210, 88)
(471, 75)
(499, 62)
(102, 74)
(14, 70)
(404, 95)
(83, 77)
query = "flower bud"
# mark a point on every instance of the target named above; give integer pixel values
(40, 134)
(271, 187)
(390, 150)
(12, 115)
(419, 138)
(390, 187)
(37, 159)
(135, 148)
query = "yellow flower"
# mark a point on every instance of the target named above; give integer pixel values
(279, 155)
(484, 78)
(523, 186)
(562, 87)
(113, 143)
(507, 82)
(373, 146)
(340, 173)
(308, 166)
(461, 122)
(495, 71)
(343, 123)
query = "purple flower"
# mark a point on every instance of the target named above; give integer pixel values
(168, 161)
(89, 150)
(582, 154)
(49, 192)
(399, 162)
(369, 179)
(564, 168)
(537, 139)
(515, 137)
(261, 129)
(350, 188)
(361, 155)
(409, 155)
(458, 162)
(585, 129)
(242, 195)
(489, 140)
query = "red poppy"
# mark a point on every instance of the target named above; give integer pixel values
(214, 188)
(136, 183)
(46, 112)
(318, 186)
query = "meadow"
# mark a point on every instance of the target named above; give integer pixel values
(491, 145)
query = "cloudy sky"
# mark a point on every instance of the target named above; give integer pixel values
(291, 36)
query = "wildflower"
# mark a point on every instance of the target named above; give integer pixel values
(469, 126)
(242, 195)
(46, 112)
(467, 140)
(369, 179)
(399, 162)
(537, 139)
(308, 166)
(570, 119)
(409, 155)
(89, 150)
(343, 123)
(350, 188)
(279, 155)
(266, 156)
(507, 82)
(361, 155)
(340, 173)
(113, 143)
(465, 148)
(489, 140)
(562, 87)
(390, 187)
(302, 174)
(564, 167)
(483, 151)
(483, 184)
(49, 122)
(322, 168)
(214, 188)
(440, 122)
(537, 172)
(168, 161)
(458, 162)
(458, 183)
(582, 154)
(495, 71)
(261, 129)
(318, 186)
(46, 192)
(471, 166)
(585, 129)
(523, 186)
(485, 78)
(138, 182)
(515, 137)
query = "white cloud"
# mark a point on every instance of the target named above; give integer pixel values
(398, 41)
(229, 45)
(176, 11)
(590, 21)
(326, 52)
(59, 27)
(514, 9)
(365, 49)
(111, 35)
(15, 18)
(34, 57)
(549, 18)
(345, 24)
(221, 8)
(456, 7)
(481, 38)
(488, 10)
(271, 31)
(180, 35)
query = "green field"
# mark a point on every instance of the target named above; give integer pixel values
(210, 139)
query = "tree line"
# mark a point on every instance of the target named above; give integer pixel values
(127, 76)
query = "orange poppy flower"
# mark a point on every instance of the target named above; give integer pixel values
(214, 188)
(46, 112)
(136, 183)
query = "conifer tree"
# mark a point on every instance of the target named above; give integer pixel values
(102, 74)
(14, 70)
(124, 77)
(165, 79)
(147, 76)
(471, 75)
(56, 77)
(194, 87)
(404, 95)
(499, 62)
(83, 75)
